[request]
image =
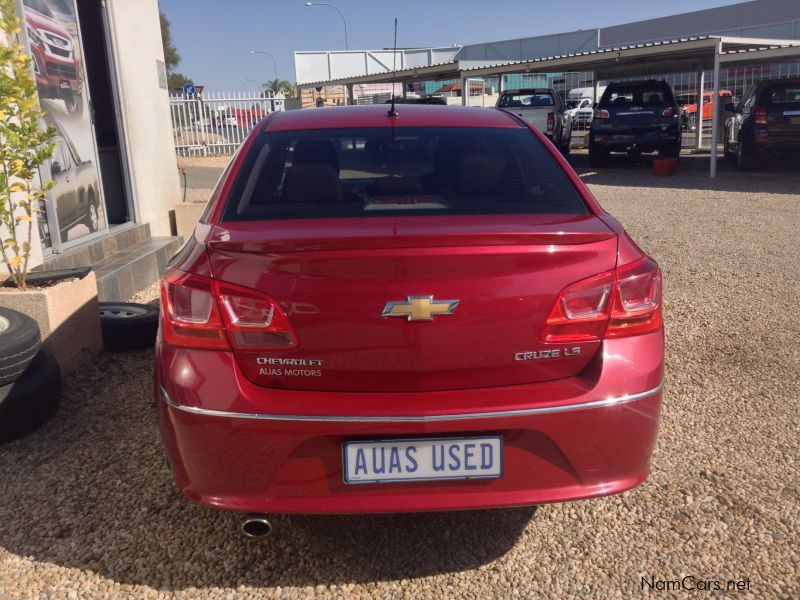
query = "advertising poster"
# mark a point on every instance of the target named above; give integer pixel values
(76, 202)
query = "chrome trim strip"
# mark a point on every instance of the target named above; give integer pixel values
(412, 418)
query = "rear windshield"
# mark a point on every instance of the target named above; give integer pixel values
(399, 171)
(637, 94)
(783, 94)
(523, 99)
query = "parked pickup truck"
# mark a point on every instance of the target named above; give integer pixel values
(688, 105)
(581, 111)
(542, 108)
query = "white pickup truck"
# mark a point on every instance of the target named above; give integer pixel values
(542, 108)
(581, 112)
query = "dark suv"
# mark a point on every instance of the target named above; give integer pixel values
(765, 122)
(634, 117)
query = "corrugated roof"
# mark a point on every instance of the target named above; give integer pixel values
(593, 52)
(454, 69)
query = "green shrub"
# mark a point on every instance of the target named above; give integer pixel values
(24, 147)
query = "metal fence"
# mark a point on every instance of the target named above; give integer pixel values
(217, 123)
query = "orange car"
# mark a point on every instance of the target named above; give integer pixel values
(688, 105)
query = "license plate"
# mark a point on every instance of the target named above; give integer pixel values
(794, 121)
(64, 85)
(377, 461)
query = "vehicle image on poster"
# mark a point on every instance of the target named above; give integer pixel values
(766, 122)
(544, 109)
(421, 312)
(77, 198)
(55, 60)
(635, 117)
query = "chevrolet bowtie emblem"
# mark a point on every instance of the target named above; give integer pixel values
(419, 308)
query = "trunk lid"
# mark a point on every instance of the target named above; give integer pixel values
(784, 119)
(636, 115)
(334, 278)
(535, 116)
(781, 101)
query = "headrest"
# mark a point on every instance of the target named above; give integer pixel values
(316, 152)
(312, 183)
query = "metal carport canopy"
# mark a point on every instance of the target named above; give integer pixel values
(669, 56)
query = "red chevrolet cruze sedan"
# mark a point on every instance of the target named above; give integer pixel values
(426, 311)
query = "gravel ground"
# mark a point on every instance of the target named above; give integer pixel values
(88, 507)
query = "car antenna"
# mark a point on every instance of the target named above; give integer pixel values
(392, 112)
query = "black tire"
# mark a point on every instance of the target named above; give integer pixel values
(31, 400)
(565, 148)
(727, 155)
(19, 342)
(671, 151)
(746, 157)
(92, 218)
(73, 103)
(597, 156)
(128, 326)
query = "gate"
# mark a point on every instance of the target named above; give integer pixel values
(217, 123)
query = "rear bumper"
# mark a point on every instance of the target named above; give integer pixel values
(777, 144)
(239, 447)
(645, 141)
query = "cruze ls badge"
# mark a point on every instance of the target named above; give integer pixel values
(419, 308)
(552, 353)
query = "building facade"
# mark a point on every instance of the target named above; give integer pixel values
(101, 78)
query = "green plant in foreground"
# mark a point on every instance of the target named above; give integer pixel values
(24, 147)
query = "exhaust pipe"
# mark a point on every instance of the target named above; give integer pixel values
(256, 526)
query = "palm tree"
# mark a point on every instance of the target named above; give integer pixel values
(276, 86)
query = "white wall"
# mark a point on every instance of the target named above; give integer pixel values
(335, 64)
(136, 34)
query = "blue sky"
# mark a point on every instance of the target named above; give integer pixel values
(214, 38)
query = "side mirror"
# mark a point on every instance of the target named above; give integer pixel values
(595, 105)
(55, 168)
(729, 107)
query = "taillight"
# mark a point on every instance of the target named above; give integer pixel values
(760, 113)
(637, 300)
(619, 303)
(581, 312)
(199, 312)
(670, 112)
(189, 314)
(601, 114)
(253, 319)
(551, 122)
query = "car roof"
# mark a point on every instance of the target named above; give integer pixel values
(376, 115)
(534, 90)
(634, 82)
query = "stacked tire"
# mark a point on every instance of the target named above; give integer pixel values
(128, 326)
(30, 379)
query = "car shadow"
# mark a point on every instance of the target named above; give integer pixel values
(92, 490)
(772, 176)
